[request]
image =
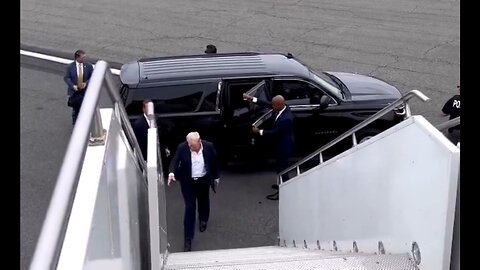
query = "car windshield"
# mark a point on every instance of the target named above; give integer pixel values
(328, 83)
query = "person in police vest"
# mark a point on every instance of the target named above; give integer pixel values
(452, 109)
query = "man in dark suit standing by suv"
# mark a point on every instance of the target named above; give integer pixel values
(281, 132)
(140, 128)
(195, 165)
(76, 77)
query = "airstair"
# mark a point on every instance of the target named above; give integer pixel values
(285, 258)
(390, 202)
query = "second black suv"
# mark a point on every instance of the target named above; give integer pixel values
(204, 93)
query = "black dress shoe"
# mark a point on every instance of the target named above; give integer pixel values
(273, 197)
(203, 226)
(275, 187)
(188, 245)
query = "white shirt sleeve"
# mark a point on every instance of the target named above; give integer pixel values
(261, 132)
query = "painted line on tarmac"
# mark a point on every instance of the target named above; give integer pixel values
(57, 59)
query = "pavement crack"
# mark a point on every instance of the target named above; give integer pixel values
(353, 49)
(234, 22)
(414, 9)
(264, 13)
(396, 60)
(438, 46)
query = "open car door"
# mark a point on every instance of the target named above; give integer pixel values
(238, 126)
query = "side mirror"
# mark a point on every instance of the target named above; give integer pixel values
(324, 101)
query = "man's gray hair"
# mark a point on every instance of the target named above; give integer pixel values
(193, 137)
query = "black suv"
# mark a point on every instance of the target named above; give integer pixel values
(204, 93)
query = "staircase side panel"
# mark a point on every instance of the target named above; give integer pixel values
(399, 187)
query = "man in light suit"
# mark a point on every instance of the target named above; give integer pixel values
(76, 77)
(195, 165)
(281, 132)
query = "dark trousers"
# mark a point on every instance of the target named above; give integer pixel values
(282, 161)
(75, 101)
(281, 158)
(195, 191)
(75, 115)
(454, 135)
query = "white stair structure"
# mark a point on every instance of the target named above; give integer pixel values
(394, 192)
(387, 203)
(275, 257)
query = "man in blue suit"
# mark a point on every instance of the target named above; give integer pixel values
(281, 132)
(76, 77)
(195, 165)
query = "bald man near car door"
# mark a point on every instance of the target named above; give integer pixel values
(281, 132)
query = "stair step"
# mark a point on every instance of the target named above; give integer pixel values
(274, 257)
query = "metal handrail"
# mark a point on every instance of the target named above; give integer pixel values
(54, 227)
(151, 115)
(448, 124)
(351, 132)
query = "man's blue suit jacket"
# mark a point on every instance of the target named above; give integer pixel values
(71, 77)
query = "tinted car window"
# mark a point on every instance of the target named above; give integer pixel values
(134, 107)
(236, 91)
(185, 103)
(238, 106)
(169, 99)
(209, 103)
(297, 92)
